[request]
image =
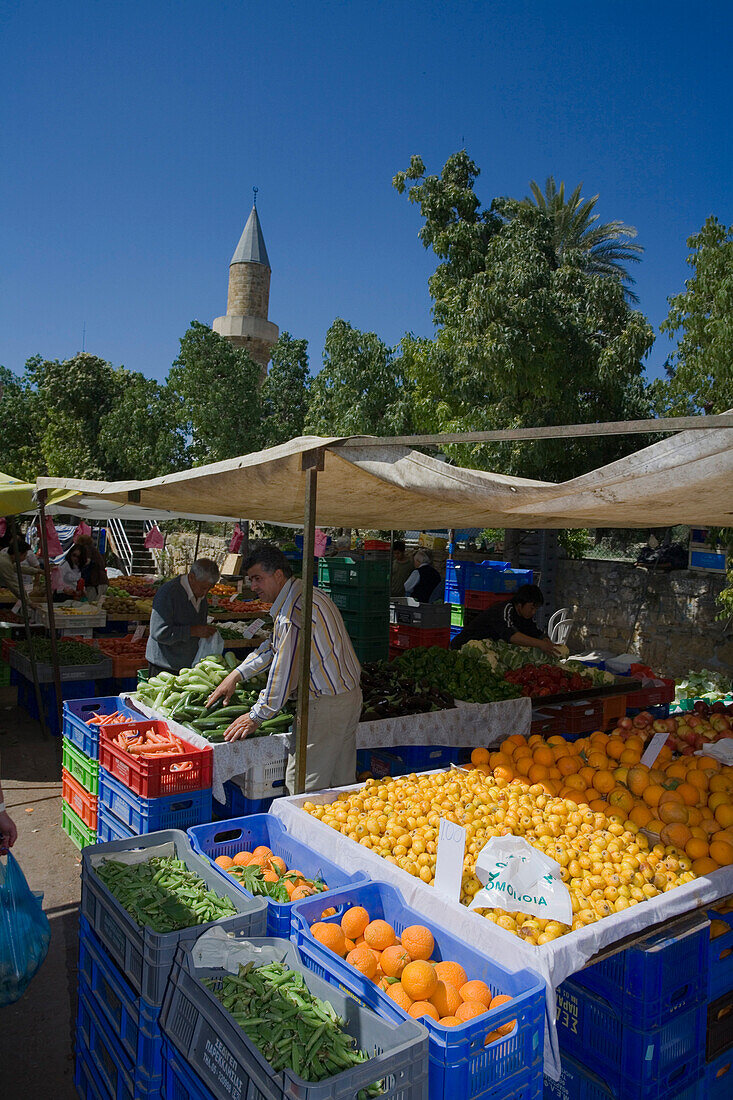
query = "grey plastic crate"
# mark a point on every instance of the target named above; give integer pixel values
(98, 670)
(143, 955)
(228, 1063)
(430, 616)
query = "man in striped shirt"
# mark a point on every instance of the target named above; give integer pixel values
(335, 673)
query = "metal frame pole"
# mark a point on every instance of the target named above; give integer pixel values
(28, 632)
(198, 539)
(312, 463)
(49, 604)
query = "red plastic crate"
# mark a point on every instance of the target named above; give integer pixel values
(82, 802)
(577, 717)
(652, 696)
(375, 544)
(614, 707)
(154, 778)
(482, 601)
(402, 636)
(544, 722)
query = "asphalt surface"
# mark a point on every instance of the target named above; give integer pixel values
(37, 1032)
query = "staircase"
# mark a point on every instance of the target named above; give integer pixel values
(128, 542)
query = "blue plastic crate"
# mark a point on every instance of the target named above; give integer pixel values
(226, 838)
(657, 978)
(180, 1082)
(652, 1063)
(77, 711)
(236, 805)
(70, 689)
(403, 759)
(121, 1077)
(508, 580)
(577, 1082)
(146, 815)
(719, 1077)
(720, 972)
(476, 576)
(109, 827)
(461, 1065)
(116, 685)
(658, 710)
(86, 1079)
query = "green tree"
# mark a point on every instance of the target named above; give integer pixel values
(700, 370)
(217, 388)
(525, 338)
(285, 391)
(600, 249)
(141, 436)
(361, 389)
(20, 444)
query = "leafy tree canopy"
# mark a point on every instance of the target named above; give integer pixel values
(20, 445)
(285, 391)
(700, 370)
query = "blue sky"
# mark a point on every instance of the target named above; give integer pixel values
(132, 133)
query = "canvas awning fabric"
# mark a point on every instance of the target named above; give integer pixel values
(687, 478)
(16, 497)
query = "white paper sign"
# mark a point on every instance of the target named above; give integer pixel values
(251, 629)
(139, 632)
(16, 608)
(516, 876)
(449, 862)
(653, 749)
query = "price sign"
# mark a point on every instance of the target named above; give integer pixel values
(139, 632)
(449, 863)
(654, 748)
(251, 629)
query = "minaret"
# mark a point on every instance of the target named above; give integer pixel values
(245, 324)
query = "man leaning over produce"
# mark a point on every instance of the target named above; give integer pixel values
(512, 621)
(178, 618)
(335, 673)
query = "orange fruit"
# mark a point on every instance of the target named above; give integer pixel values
(224, 861)
(637, 780)
(537, 773)
(330, 935)
(675, 834)
(500, 999)
(476, 991)
(630, 757)
(598, 760)
(576, 782)
(704, 866)
(451, 1021)
(721, 851)
(379, 934)
(418, 941)
(568, 765)
(451, 972)
(301, 892)
(543, 754)
(270, 876)
(621, 799)
(502, 772)
(394, 960)
(364, 960)
(724, 816)
(480, 756)
(349, 944)
(262, 850)
(696, 848)
(423, 1008)
(468, 1010)
(278, 864)
(673, 812)
(652, 793)
(397, 994)
(241, 859)
(354, 921)
(419, 980)
(446, 999)
(688, 793)
(641, 815)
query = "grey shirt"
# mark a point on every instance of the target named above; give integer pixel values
(170, 644)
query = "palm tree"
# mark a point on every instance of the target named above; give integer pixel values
(604, 248)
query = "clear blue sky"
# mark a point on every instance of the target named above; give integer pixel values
(131, 135)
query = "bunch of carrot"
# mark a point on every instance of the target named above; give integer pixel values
(148, 743)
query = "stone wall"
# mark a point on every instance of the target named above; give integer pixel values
(668, 619)
(179, 550)
(249, 290)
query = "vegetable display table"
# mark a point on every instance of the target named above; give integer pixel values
(466, 725)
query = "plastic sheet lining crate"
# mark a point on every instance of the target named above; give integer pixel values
(154, 778)
(143, 955)
(81, 802)
(79, 833)
(346, 572)
(659, 977)
(83, 768)
(132, 1020)
(430, 616)
(461, 1065)
(651, 696)
(719, 1077)
(410, 637)
(226, 838)
(110, 827)
(220, 1054)
(720, 972)
(719, 1026)
(77, 711)
(653, 1063)
(403, 759)
(120, 1077)
(147, 815)
(578, 1082)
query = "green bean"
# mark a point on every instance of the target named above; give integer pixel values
(163, 894)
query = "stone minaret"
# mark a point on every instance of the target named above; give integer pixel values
(245, 324)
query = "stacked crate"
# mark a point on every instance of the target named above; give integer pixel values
(418, 624)
(360, 590)
(123, 973)
(634, 1024)
(472, 587)
(719, 1022)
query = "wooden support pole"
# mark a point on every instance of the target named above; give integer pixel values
(28, 632)
(306, 625)
(198, 539)
(49, 603)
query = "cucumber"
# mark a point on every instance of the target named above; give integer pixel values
(231, 661)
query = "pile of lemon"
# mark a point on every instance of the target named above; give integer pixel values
(607, 863)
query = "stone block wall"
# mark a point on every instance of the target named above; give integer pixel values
(249, 290)
(668, 619)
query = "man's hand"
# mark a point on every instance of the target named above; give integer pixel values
(240, 727)
(548, 647)
(205, 630)
(8, 832)
(225, 689)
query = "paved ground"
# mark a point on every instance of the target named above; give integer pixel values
(37, 1032)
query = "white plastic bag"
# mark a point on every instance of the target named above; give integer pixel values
(516, 877)
(209, 647)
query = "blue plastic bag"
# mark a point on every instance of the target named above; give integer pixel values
(24, 931)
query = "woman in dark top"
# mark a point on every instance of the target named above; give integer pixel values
(424, 579)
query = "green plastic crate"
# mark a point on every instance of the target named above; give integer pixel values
(347, 573)
(457, 614)
(84, 770)
(366, 628)
(371, 651)
(72, 824)
(361, 601)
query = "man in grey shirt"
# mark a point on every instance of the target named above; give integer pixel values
(178, 618)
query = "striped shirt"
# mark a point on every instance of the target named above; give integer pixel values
(334, 666)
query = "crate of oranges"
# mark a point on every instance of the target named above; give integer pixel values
(263, 859)
(485, 1023)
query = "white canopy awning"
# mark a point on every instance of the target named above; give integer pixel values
(686, 478)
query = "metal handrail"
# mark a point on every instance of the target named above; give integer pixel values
(121, 543)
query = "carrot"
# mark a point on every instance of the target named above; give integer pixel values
(157, 750)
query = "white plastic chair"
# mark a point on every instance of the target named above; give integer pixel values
(560, 631)
(555, 618)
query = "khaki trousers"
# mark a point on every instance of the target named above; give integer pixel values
(331, 762)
